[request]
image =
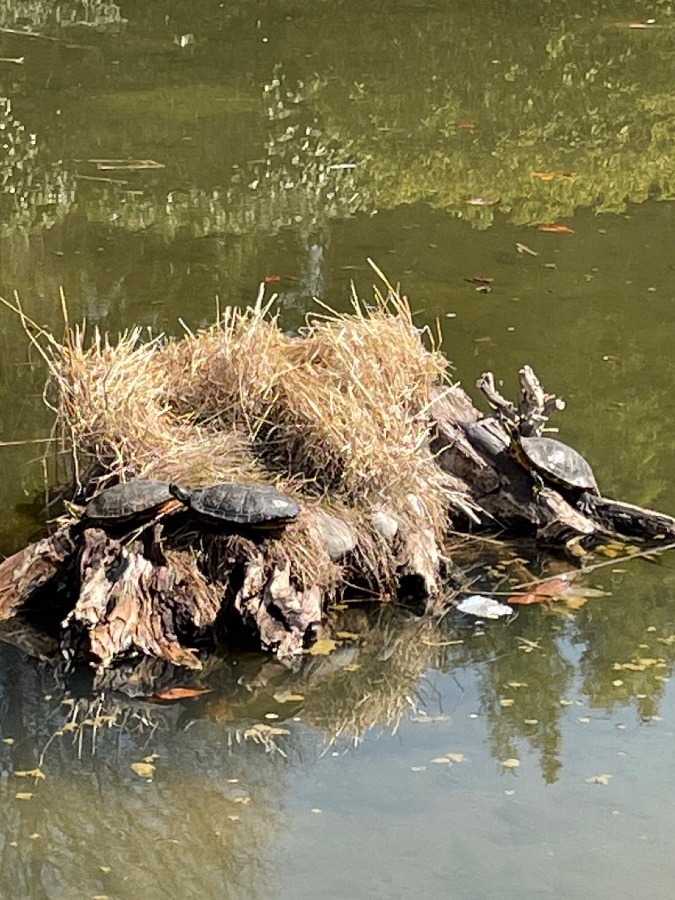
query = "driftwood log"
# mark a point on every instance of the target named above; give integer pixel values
(163, 592)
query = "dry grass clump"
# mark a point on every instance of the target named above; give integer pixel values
(336, 415)
(341, 409)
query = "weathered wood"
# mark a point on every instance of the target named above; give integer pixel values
(535, 406)
(22, 574)
(128, 604)
(627, 519)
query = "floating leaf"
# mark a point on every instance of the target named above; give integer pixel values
(550, 176)
(456, 757)
(143, 769)
(523, 248)
(348, 635)
(555, 229)
(178, 693)
(483, 201)
(8, 741)
(24, 795)
(322, 647)
(505, 702)
(418, 768)
(285, 697)
(599, 779)
(511, 763)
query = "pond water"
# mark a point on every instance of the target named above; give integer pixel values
(290, 142)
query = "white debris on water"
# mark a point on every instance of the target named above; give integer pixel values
(484, 607)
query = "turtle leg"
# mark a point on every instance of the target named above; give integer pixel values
(537, 484)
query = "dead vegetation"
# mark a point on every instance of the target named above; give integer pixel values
(337, 416)
(354, 417)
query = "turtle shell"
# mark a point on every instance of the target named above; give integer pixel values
(243, 504)
(558, 462)
(133, 499)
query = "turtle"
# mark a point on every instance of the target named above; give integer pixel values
(234, 503)
(555, 462)
(138, 499)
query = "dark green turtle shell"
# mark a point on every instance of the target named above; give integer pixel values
(137, 498)
(241, 504)
(557, 462)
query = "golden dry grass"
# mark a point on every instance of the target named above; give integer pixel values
(338, 414)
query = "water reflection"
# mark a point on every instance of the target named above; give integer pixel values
(292, 143)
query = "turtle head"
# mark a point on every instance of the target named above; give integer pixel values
(180, 493)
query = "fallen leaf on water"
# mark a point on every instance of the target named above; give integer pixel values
(598, 779)
(456, 757)
(282, 697)
(531, 721)
(523, 248)
(450, 758)
(272, 279)
(642, 25)
(575, 602)
(143, 769)
(8, 741)
(506, 702)
(30, 773)
(583, 720)
(466, 126)
(550, 176)
(348, 635)
(516, 684)
(24, 795)
(322, 647)
(483, 201)
(555, 229)
(511, 763)
(177, 693)
(418, 768)
(480, 280)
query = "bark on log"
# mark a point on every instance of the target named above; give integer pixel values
(31, 568)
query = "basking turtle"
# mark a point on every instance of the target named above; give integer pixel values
(554, 462)
(138, 499)
(233, 503)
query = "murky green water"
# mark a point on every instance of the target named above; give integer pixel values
(297, 139)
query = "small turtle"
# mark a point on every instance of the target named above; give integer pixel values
(138, 499)
(255, 505)
(555, 462)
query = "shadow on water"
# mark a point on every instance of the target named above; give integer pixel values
(157, 160)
